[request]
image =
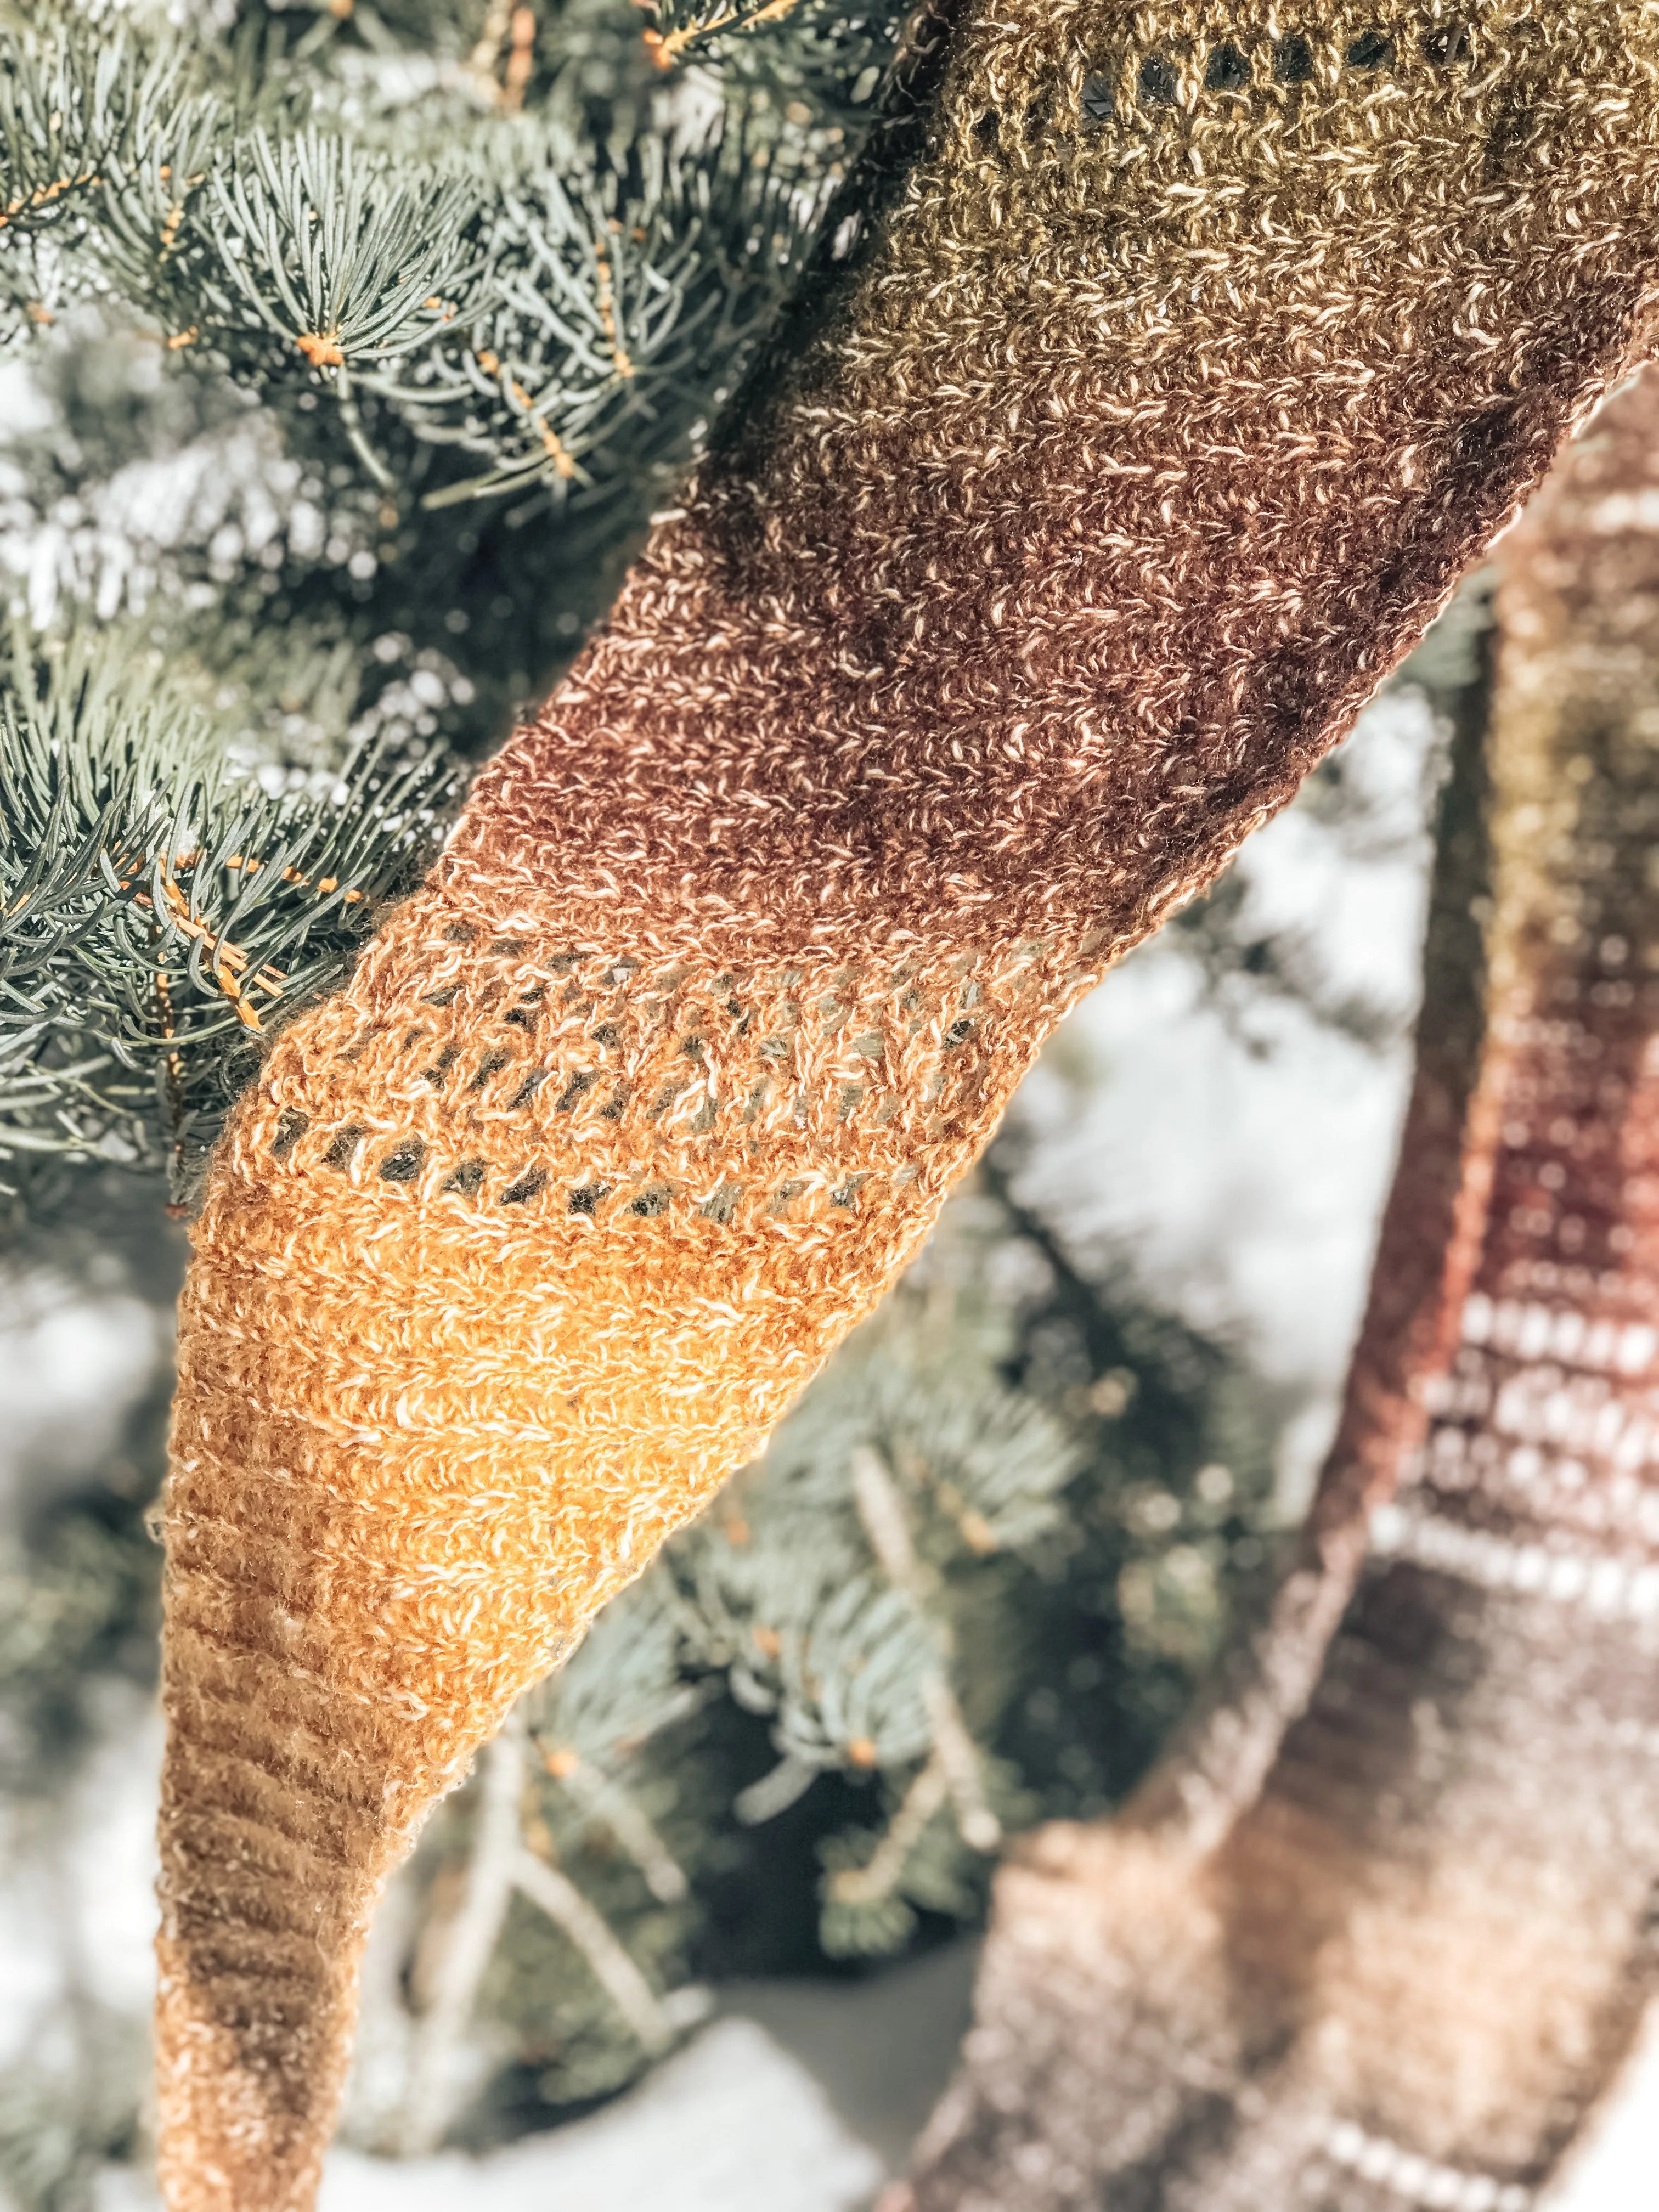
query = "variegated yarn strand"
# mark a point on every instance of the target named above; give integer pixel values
(1145, 418)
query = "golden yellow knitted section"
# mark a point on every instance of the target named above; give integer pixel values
(559, 1236)
(1142, 420)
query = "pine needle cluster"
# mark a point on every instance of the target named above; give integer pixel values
(466, 284)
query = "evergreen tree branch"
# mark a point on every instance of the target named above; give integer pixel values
(158, 905)
(882, 1511)
(558, 1897)
(605, 1802)
(532, 301)
(880, 1876)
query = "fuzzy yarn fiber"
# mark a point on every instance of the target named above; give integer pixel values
(1172, 372)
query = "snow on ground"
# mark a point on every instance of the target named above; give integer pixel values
(731, 2123)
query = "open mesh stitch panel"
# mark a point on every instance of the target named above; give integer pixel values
(561, 1232)
(623, 1090)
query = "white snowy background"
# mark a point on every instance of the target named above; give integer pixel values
(1236, 1162)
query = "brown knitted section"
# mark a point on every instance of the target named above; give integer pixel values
(1410, 1964)
(1112, 465)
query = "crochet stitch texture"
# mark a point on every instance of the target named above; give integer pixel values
(1144, 419)
(1417, 1953)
